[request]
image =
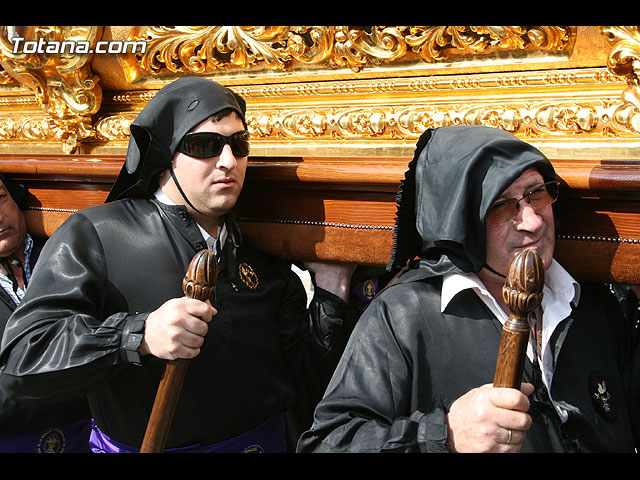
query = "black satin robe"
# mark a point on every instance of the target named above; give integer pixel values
(406, 363)
(82, 320)
(16, 417)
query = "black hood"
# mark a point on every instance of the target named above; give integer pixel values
(17, 191)
(455, 176)
(157, 130)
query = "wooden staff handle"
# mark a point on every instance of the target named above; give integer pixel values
(523, 294)
(199, 283)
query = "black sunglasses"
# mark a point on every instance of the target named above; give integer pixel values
(210, 144)
(539, 197)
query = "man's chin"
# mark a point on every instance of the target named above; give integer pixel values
(218, 209)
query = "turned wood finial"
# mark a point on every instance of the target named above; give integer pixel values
(200, 280)
(522, 293)
(522, 290)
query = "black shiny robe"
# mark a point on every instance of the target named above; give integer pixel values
(82, 319)
(16, 417)
(407, 362)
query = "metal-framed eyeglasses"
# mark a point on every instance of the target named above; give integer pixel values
(539, 197)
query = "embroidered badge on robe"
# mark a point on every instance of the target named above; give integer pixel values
(52, 441)
(248, 276)
(369, 289)
(253, 449)
(601, 397)
(366, 289)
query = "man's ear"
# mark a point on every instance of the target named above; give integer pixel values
(163, 178)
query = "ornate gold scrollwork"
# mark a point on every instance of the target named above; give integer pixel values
(624, 60)
(437, 43)
(371, 106)
(114, 127)
(407, 122)
(508, 119)
(206, 49)
(567, 118)
(64, 84)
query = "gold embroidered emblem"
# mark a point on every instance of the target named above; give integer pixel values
(369, 289)
(52, 441)
(253, 449)
(248, 276)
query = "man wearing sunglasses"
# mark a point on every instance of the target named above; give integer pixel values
(416, 375)
(105, 309)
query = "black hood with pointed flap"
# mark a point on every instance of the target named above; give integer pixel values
(455, 176)
(158, 129)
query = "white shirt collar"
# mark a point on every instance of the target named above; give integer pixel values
(211, 241)
(560, 287)
(561, 292)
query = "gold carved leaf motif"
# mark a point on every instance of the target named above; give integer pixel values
(191, 49)
(63, 83)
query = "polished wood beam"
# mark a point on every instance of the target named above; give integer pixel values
(343, 209)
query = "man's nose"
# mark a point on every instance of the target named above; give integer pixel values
(528, 219)
(226, 160)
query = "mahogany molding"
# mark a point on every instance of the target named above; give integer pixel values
(343, 209)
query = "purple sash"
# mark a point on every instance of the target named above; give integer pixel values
(71, 438)
(268, 437)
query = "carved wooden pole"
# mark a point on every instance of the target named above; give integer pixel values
(523, 294)
(199, 283)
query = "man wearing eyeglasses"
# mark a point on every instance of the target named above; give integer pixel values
(105, 309)
(417, 373)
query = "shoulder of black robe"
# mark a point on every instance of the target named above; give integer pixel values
(454, 177)
(157, 130)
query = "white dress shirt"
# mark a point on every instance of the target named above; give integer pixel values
(560, 293)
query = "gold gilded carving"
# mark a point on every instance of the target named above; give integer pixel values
(114, 128)
(408, 122)
(411, 123)
(508, 119)
(63, 83)
(201, 50)
(551, 84)
(567, 118)
(363, 123)
(5, 78)
(624, 60)
(206, 49)
(437, 43)
(397, 122)
(29, 128)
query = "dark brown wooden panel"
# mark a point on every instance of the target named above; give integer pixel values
(343, 209)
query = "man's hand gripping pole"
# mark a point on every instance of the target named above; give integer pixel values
(199, 283)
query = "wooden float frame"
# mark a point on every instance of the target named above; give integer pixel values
(343, 209)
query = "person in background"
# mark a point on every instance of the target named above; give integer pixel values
(27, 428)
